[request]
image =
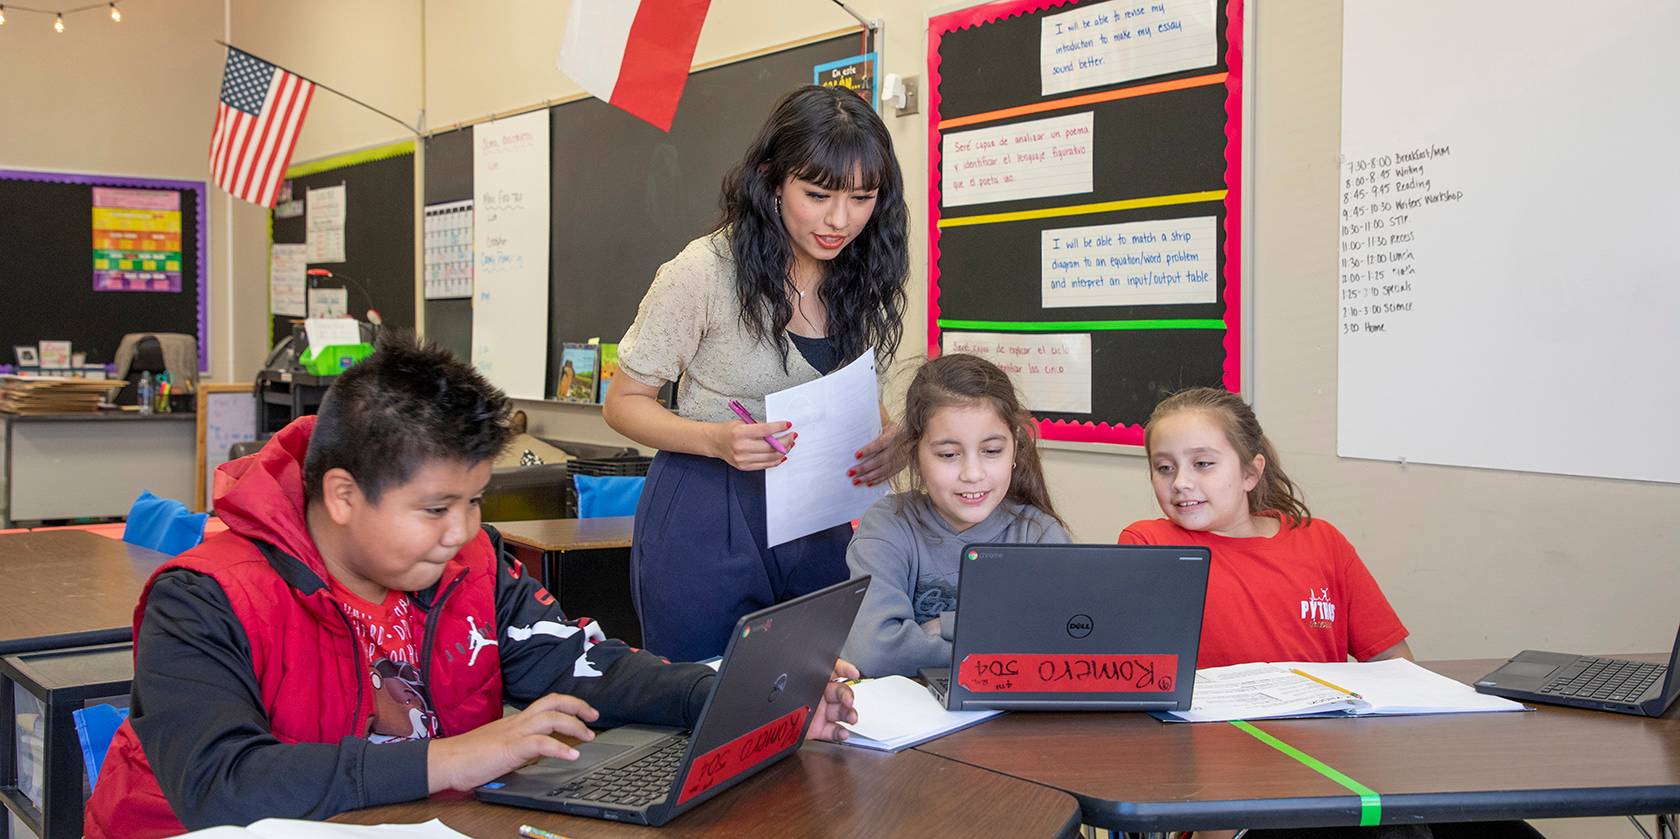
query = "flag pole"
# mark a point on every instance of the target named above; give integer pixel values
(411, 129)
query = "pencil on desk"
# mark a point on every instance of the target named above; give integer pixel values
(1331, 685)
(530, 832)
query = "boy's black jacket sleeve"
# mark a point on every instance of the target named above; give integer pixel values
(543, 652)
(198, 712)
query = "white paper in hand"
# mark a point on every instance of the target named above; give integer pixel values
(835, 416)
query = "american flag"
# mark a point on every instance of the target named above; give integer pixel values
(257, 124)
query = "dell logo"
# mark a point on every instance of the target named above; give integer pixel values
(1079, 626)
(776, 689)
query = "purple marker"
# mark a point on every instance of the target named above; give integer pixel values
(747, 417)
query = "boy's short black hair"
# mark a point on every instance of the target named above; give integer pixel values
(409, 403)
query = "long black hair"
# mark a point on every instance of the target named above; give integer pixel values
(826, 136)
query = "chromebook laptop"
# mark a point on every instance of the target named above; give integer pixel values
(773, 673)
(1602, 684)
(1075, 627)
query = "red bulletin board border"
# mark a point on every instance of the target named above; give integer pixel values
(999, 10)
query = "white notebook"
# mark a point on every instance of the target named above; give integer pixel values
(1305, 689)
(895, 713)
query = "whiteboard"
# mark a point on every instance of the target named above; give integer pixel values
(510, 252)
(227, 414)
(1504, 295)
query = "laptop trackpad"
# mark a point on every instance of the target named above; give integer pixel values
(590, 756)
(1526, 670)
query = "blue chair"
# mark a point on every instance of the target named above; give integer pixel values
(600, 496)
(95, 726)
(163, 524)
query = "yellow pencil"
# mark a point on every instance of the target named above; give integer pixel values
(1330, 685)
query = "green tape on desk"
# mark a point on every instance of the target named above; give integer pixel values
(1370, 803)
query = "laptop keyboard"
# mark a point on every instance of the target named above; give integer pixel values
(640, 782)
(1608, 679)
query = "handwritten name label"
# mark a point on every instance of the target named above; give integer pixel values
(743, 753)
(1139, 263)
(1023, 160)
(1105, 43)
(1067, 673)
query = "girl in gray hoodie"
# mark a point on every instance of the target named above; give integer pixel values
(975, 477)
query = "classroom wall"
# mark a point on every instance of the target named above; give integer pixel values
(1478, 562)
(135, 98)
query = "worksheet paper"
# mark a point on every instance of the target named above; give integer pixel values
(835, 416)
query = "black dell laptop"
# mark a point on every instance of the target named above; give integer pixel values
(774, 671)
(1074, 627)
(1602, 684)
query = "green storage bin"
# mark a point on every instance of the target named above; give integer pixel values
(333, 360)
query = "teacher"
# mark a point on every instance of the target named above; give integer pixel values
(804, 273)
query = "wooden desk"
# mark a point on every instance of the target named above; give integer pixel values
(1131, 772)
(821, 790)
(65, 588)
(586, 564)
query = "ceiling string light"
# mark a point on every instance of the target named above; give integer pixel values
(110, 7)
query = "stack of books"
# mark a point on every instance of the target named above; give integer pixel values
(36, 395)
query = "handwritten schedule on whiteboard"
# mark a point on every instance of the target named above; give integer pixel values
(1505, 289)
(510, 252)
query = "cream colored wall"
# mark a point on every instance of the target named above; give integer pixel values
(1478, 562)
(135, 98)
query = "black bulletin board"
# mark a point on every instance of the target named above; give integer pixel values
(1164, 147)
(626, 197)
(378, 230)
(46, 268)
(449, 177)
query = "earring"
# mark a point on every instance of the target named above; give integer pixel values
(778, 205)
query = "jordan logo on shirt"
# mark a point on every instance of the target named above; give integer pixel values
(1317, 610)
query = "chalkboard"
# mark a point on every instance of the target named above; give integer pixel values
(1085, 195)
(626, 197)
(378, 230)
(47, 245)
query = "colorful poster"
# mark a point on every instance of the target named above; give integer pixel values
(136, 240)
(856, 74)
(449, 250)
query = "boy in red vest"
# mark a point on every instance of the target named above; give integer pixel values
(350, 640)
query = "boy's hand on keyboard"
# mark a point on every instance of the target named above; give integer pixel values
(836, 704)
(490, 751)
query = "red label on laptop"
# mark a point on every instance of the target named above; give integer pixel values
(1067, 673)
(743, 753)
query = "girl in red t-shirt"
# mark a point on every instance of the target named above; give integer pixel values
(1283, 586)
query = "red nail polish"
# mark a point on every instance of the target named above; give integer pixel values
(854, 482)
(850, 472)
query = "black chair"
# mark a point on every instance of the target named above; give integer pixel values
(148, 358)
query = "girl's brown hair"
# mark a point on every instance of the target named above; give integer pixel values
(1274, 492)
(960, 380)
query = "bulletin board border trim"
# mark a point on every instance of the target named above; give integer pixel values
(998, 10)
(350, 158)
(198, 190)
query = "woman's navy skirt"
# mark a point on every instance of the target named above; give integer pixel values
(698, 559)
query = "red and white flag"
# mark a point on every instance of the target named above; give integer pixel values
(633, 53)
(257, 124)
